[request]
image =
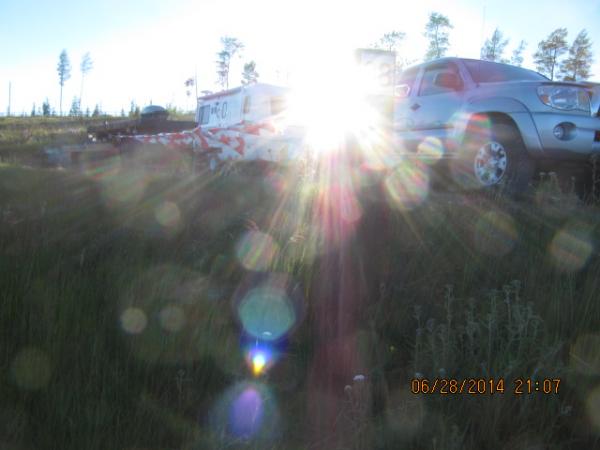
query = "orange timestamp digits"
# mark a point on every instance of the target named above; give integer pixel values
(482, 386)
(453, 386)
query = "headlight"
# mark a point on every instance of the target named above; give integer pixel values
(567, 98)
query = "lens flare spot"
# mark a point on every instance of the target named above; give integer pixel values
(267, 313)
(168, 215)
(172, 318)
(133, 320)
(585, 354)
(123, 188)
(407, 186)
(431, 149)
(593, 408)
(258, 363)
(31, 369)
(495, 234)
(246, 414)
(570, 249)
(256, 250)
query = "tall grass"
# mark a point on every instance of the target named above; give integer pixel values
(460, 287)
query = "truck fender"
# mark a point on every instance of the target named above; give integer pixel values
(512, 110)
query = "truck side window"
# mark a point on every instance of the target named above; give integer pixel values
(428, 85)
(408, 78)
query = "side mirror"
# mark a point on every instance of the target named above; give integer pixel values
(402, 91)
(448, 80)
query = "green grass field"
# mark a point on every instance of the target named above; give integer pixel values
(122, 326)
(22, 138)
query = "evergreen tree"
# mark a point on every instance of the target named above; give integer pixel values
(33, 110)
(134, 109)
(390, 41)
(46, 108)
(517, 54)
(577, 65)
(64, 73)
(85, 66)
(436, 31)
(493, 48)
(75, 108)
(231, 47)
(96, 112)
(249, 75)
(546, 58)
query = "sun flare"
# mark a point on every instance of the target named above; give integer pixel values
(332, 104)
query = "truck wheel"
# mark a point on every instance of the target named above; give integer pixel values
(495, 161)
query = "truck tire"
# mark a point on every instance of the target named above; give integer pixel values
(495, 160)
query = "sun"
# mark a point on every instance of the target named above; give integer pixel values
(332, 103)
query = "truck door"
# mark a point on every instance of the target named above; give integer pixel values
(437, 104)
(403, 115)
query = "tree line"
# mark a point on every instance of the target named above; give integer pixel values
(63, 70)
(230, 48)
(554, 57)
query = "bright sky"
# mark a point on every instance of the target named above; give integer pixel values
(144, 50)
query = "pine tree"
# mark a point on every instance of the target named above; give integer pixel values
(577, 65)
(96, 112)
(46, 108)
(33, 110)
(546, 58)
(390, 41)
(493, 48)
(75, 108)
(64, 73)
(249, 75)
(231, 47)
(85, 66)
(436, 31)
(517, 54)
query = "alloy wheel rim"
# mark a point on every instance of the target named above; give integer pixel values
(491, 163)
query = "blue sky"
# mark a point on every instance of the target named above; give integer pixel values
(144, 50)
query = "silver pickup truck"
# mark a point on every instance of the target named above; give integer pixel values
(495, 125)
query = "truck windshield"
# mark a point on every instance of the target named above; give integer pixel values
(489, 72)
